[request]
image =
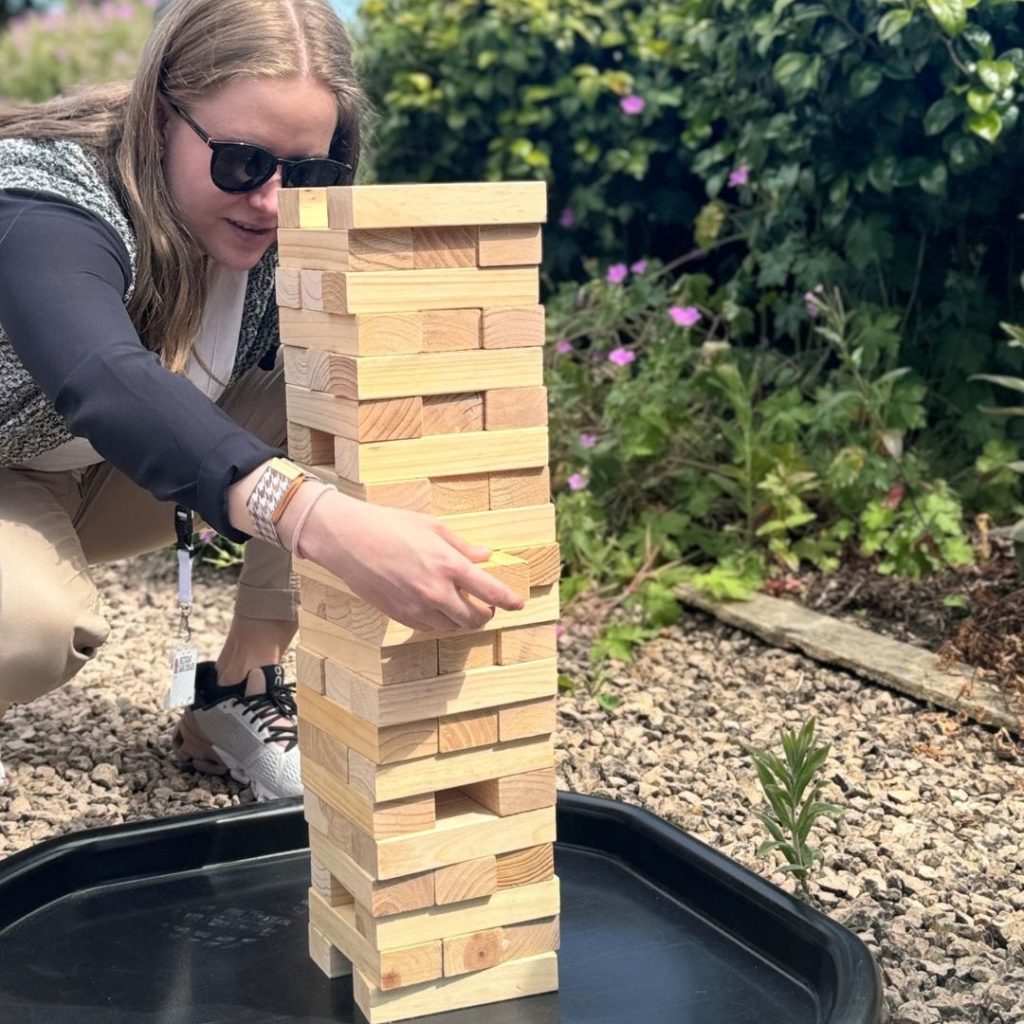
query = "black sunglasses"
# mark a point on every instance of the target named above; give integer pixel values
(242, 167)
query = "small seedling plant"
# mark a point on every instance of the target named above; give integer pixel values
(793, 789)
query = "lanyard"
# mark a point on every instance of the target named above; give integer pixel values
(185, 547)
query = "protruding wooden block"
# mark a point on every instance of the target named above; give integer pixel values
(362, 422)
(509, 245)
(480, 950)
(288, 209)
(453, 414)
(382, 783)
(287, 283)
(330, 960)
(531, 718)
(514, 979)
(309, 669)
(513, 572)
(455, 495)
(398, 291)
(516, 488)
(454, 204)
(314, 250)
(497, 451)
(514, 794)
(511, 408)
(451, 330)
(545, 562)
(459, 653)
(381, 334)
(413, 495)
(526, 643)
(310, 447)
(302, 208)
(522, 867)
(468, 880)
(445, 247)
(522, 327)
(467, 730)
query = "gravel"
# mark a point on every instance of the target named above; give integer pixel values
(925, 863)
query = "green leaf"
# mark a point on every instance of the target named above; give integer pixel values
(890, 25)
(940, 114)
(609, 701)
(934, 181)
(1013, 383)
(865, 80)
(955, 601)
(950, 14)
(986, 126)
(980, 100)
(997, 75)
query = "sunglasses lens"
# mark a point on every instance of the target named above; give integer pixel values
(316, 174)
(237, 167)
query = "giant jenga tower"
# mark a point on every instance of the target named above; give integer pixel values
(412, 339)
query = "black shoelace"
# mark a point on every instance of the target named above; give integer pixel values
(277, 702)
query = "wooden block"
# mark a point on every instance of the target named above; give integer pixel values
(360, 422)
(380, 898)
(390, 249)
(511, 408)
(378, 820)
(514, 794)
(531, 718)
(318, 746)
(499, 452)
(526, 643)
(399, 291)
(470, 880)
(303, 208)
(480, 950)
(433, 373)
(545, 563)
(513, 572)
(516, 488)
(515, 979)
(331, 725)
(389, 782)
(310, 447)
(521, 867)
(397, 665)
(504, 907)
(287, 208)
(467, 730)
(451, 330)
(455, 495)
(461, 825)
(522, 327)
(453, 414)
(454, 204)
(445, 247)
(330, 960)
(382, 334)
(287, 286)
(315, 812)
(309, 669)
(469, 690)
(459, 653)
(388, 969)
(326, 884)
(315, 250)
(509, 245)
(414, 495)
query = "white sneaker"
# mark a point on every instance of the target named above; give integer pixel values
(243, 730)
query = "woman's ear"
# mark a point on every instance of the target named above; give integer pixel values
(162, 121)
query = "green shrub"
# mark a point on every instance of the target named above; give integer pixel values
(42, 55)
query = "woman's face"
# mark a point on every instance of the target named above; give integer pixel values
(293, 118)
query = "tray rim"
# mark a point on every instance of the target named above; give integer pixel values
(855, 995)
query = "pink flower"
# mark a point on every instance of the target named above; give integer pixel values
(621, 356)
(567, 218)
(632, 104)
(124, 12)
(563, 348)
(685, 316)
(588, 440)
(639, 267)
(559, 629)
(739, 175)
(206, 536)
(812, 309)
(617, 273)
(577, 482)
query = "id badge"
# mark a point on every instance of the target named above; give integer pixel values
(183, 659)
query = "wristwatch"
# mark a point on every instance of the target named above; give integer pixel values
(270, 497)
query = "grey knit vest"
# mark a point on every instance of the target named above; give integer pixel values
(29, 425)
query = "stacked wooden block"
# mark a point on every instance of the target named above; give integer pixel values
(412, 341)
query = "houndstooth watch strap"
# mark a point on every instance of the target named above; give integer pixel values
(274, 484)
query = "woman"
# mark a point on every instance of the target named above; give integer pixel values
(138, 336)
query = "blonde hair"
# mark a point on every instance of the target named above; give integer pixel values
(196, 46)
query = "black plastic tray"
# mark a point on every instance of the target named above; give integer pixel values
(202, 920)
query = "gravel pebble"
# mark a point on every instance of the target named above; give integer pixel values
(926, 863)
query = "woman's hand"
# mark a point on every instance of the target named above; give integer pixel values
(407, 564)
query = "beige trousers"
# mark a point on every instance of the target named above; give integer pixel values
(54, 525)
